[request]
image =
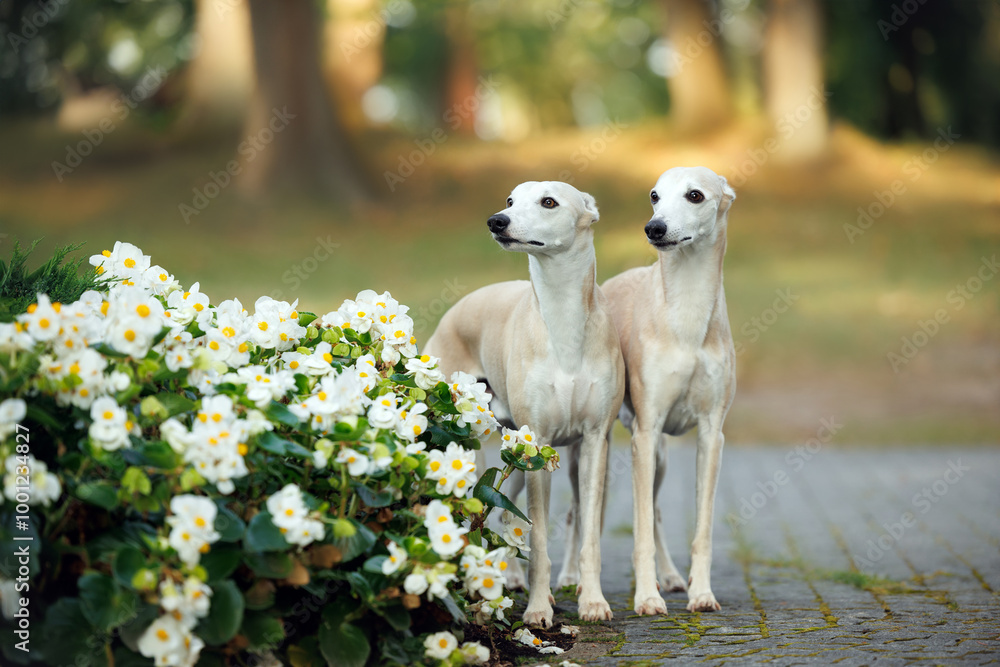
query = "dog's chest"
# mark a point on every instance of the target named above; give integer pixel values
(688, 382)
(562, 403)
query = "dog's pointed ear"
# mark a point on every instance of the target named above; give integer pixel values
(728, 195)
(590, 205)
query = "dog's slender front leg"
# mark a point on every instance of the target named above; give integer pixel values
(593, 463)
(569, 575)
(710, 441)
(648, 600)
(539, 611)
(668, 576)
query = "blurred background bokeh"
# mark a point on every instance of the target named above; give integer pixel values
(312, 148)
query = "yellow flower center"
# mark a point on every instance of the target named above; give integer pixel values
(108, 415)
(198, 307)
(129, 335)
(293, 365)
(518, 532)
(205, 548)
(104, 307)
(262, 326)
(327, 357)
(129, 263)
(443, 643)
(106, 253)
(242, 449)
(321, 395)
(142, 309)
(435, 465)
(446, 538)
(416, 430)
(456, 464)
(214, 345)
(289, 512)
(44, 323)
(161, 634)
(425, 359)
(399, 334)
(200, 522)
(442, 519)
(228, 332)
(487, 582)
(243, 347)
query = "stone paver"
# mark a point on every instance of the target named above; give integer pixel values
(824, 568)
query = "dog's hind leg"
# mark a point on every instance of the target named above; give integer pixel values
(669, 578)
(710, 441)
(569, 575)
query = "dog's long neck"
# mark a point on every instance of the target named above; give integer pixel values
(564, 285)
(691, 279)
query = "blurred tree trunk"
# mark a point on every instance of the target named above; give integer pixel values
(462, 78)
(293, 137)
(219, 80)
(793, 77)
(353, 36)
(699, 89)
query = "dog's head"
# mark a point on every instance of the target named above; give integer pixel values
(543, 217)
(689, 204)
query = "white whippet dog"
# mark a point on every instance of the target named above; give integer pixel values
(549, 351)
(678, 349)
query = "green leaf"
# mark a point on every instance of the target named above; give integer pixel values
(155, 453)
(397, 615)
(306, 654)
(343, 432)
(224, 616)
(175, 403)
(229, 526)
(484, 491)
(280, 413)
(263, 631)
(106, 604)
(221, 562)
(128, 561)
(65, 635)
(342, 644)
(262, 535)
(101, 494)
(357, 544)
(306, 318)
(374, 564)
(270, 442)
(371, 498)
(108, 351)
(456, 614)
(273, 565)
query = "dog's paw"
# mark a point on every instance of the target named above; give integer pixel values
(672, 583)
(596, 609)
(568, 579)
(703, 602)
(541, 616)
(650, 606)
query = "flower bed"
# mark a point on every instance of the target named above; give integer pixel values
(195, 484)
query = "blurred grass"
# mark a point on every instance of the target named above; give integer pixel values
(427, 243)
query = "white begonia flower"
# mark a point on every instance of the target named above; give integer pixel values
(454, 469)
(192, 523)
(475, 653)
(337, 396)
(440, 645)
(553, 650)
(515, 531)
(500, 605)
(383, 412)
(274, 324)
(446, 538)
(526, 436)
(42, 321)
(305, 532)
(525, 636)
(187, 605)
(124, 261)
(158, 281)
(437, 513)
(12, 413)
(319, 362)
(324, 450)
(189, 306)
(287, 508)
(472, 559)
(396, 559)
(412, 423)
(439, 584)
(424, 370)
(43, 487)
(14, 338)
(367, 372)
(110, 427)
(416, 583)
(143, 312)
(487, 582)
(170, 644)
(357, 463)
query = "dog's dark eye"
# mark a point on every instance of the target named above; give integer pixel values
(510, 202)
(695, 197)
(549, 202)
(653, 197)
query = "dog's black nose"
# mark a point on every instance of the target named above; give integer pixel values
(656, 230)
(497, 223)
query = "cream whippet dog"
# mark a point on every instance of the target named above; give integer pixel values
(549, 351)
(678, 348)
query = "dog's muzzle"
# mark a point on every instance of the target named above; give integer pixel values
(498, 223)
(656, 229)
